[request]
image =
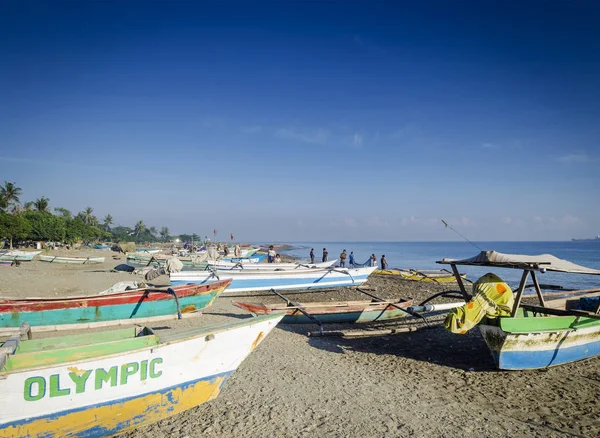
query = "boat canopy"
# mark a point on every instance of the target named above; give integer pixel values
(546, 262)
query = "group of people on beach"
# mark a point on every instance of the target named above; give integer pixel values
(351, 263)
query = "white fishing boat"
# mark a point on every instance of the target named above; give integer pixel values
(224, 266)
(21, 256)
(100, 384)
(71, 260)
(256, 280)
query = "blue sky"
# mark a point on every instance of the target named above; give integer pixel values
(291, 121)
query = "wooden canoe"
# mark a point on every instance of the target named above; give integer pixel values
(21, 256)
(72, 260)
(332, 312)
(103, 383)
(146, 304)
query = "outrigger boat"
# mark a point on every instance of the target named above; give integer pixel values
(332, 312)
(432, 276)
(103, 383)
(530, 336)
(245, 281)
(118, 308)
(16, 255)
(224, 266)
(71, 260)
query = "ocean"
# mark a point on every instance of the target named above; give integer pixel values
(423, 255)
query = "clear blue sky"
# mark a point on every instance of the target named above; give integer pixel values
(288, 121)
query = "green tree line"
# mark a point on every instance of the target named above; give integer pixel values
(35, 220)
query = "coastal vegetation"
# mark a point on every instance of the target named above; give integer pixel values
(38, 221)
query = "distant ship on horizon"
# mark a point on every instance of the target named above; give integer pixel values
(597, 238)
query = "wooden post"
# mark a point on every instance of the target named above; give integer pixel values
(461, 285)
(520, 293)
(538, 289)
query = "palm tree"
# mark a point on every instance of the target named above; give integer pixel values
(28, 206)
(9, 194)
(87, 217)
(108, 221)
(139, 228)
(152, 231)
(164, 233)
(62, 212)
(41, 204)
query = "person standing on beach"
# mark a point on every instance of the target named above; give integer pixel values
(351, 260)
(277, 258)
(271, 254)
(312, 255)
(373, 260)
(384, 263)
(343, 259)
(325, 253)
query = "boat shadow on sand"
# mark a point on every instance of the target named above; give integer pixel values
(433, 345)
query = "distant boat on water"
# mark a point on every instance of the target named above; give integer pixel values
(593, 239)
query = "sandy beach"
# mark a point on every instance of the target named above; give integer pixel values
(428, 382)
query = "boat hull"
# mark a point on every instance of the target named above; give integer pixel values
(541, 349)
(21, 256)
(348, 312)
(130, 305)
(107, 395)
(72, 260)
(279, 280)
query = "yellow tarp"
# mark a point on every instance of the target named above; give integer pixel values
(491, 297)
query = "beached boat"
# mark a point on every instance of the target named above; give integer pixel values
(102, 246)
(256, 258)
(147, 250)
(530, 337)
(432, 276)
(332, 312)
(5, 263)
(248, 280)
(21, 256)
(139, 305)
(224, 266)
(100, 384)
(71, 260)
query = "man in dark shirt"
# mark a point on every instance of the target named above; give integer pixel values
(325, 253)
(312, 255)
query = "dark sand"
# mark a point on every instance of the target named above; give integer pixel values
(428, 382)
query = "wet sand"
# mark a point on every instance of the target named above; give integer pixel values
(428, 382)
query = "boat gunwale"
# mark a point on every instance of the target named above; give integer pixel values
(184, 335)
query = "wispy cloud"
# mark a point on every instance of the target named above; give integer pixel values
(377, 222)
(357, 140)
(316, 136)
(490, 145)
(574, 159)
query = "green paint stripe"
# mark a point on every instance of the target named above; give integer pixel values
(546, 323)
(46, 358)
(61, 342)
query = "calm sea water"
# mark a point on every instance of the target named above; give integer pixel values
(423, 255)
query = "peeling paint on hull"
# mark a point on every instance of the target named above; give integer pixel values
(518, 351)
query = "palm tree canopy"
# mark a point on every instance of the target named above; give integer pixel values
(108, 220)
(139, 228)
(41, 204)
(10, 193)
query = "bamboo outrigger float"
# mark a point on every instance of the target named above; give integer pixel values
(553, 333)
